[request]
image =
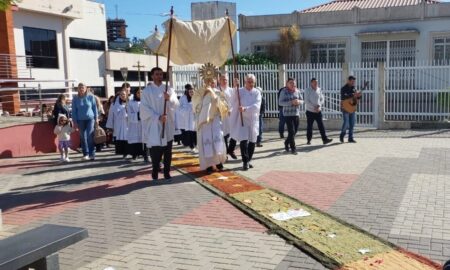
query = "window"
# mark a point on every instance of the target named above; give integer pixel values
(442, 49)
(87, 44)
(261, 48)
(42, 46)
(394, 52)
(327, 53)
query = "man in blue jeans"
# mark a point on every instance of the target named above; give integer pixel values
(348, 91)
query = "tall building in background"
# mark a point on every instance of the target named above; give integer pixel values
(214, 10)
(117, 29)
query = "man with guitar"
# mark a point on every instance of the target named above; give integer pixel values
(349, 101)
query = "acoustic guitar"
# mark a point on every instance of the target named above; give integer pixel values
(350, 105)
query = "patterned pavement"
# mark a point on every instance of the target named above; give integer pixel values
(392, 186)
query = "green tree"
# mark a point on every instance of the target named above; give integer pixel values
(137, 46)
(4, 4)
(253, 59)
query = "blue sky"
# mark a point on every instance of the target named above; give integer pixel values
(143, 15)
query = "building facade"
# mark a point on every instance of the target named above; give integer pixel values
(52, 33)
(393, 31)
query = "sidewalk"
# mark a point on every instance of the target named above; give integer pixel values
(390, 184)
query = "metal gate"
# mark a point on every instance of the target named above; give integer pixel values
(367, 115)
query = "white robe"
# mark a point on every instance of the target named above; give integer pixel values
(134, 134)
(117, 121)
(227, 95)
(251, 101)
(186, 115)
(210, 141)
(152, 107)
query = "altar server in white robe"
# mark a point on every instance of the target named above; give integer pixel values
(118, 123)
(136, 147)
(209, 109)
(226, 94)
(152, 117)
(187, 119)
(250, 107)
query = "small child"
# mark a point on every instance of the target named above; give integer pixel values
(63, 130)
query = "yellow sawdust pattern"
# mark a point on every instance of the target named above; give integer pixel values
(387, 261)
(314, 230)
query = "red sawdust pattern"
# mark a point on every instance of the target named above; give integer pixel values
(420, 258)
(234, 183)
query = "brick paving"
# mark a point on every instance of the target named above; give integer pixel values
(392, 184)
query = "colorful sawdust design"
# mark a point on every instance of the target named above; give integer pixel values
(334, 243)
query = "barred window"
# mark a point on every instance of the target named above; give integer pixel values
(327, 53)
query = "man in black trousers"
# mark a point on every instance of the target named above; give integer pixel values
(314, 101)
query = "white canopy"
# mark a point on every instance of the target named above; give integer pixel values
(198, 42)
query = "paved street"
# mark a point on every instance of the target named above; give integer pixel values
(392, 184)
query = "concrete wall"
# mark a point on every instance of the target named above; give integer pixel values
(39, 20)
(344, 25)
(116, 60)
(64, 8)
(86, 65)
(347, 33)
(73, 64)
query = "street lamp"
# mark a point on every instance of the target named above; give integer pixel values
(124, 71)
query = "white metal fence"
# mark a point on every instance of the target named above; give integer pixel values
(412, 92)
(419, 92)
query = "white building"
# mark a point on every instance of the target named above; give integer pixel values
(359, 31)
(65, 38)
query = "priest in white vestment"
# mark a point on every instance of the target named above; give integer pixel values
(209, 109)
(249, 108)
(153, 116)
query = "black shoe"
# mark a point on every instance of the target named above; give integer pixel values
(351, 141)
(294, 152)
(232, 155)
(308, 142)
(327, 141)
(209, 170)
(341, 139)
(250, 165)
(259, 145)
(220, 166)
(286, 147)
(154, 175)
(281, 136)
(167, 176)
(245, 167)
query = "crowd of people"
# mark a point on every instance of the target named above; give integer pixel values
(210, 120)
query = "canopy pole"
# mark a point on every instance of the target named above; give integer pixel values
(235, 74)
(157, 55)
(167, 70)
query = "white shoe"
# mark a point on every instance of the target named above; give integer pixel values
(61, 159)
(194, 151)
(67, 159)
(85, 158)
